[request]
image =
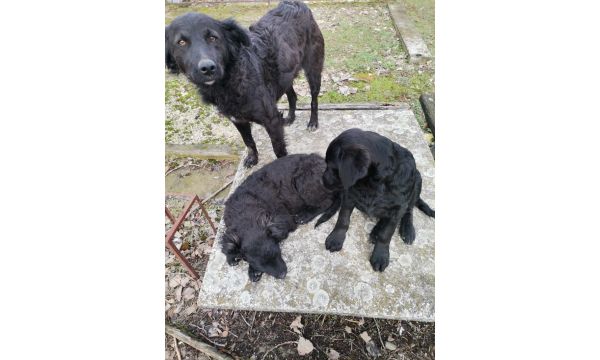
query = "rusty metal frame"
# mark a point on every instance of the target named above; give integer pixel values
(177, 223)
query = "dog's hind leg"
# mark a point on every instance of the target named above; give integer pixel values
(406, 228)
(313, 68)
(246, 132)
(291, 96)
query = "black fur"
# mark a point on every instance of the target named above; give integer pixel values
(380, 178)
(244, 73)
(269, 205)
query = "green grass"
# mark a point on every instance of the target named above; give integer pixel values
(245, 14)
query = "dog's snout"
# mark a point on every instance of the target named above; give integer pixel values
(207, 67)
(282, 275)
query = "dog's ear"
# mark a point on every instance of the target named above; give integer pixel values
(169, 60)
(231, 247)
(354, 165)
(278, 227)
(235, 33)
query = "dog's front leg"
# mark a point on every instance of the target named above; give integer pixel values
(246, 132)
(381, 235)
(274, 128)
(335, 240)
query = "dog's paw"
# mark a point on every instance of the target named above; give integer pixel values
(312, 126)
(335, 241)
(380, 258)
(250, 161)
(233, 261)
(289, 120)
(407, 233)
(254, 275)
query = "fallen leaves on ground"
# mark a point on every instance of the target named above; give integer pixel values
(305, 347)
(296, 325)
(372, 348)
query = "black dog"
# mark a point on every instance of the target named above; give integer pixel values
(269, 205)
(380, 178)
(245, 73)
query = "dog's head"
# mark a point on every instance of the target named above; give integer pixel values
(259, 247)
(346, 164)
(202, 47)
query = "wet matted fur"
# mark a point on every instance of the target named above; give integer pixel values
(244, 73)
(269, 205)
(379, 178)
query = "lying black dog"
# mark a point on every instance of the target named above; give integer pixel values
(269, 205)
(380, 178)
(245, 73)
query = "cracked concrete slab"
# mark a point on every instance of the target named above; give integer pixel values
(340, 283)
(411, 39)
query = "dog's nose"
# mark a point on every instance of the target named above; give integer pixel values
(282, 275)
(207, 67)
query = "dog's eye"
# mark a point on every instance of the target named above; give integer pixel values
(182, 42)
(211, 39)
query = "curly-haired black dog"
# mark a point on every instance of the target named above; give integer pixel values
(269, 205)
(380, 178)
(245, 73)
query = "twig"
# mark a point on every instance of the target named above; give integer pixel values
(217, 192)
(196, 344)
(204, 336)
(284, 343)
(176, 348)
(182, 166)
(378, 333)
(243, 318)
(253, 317)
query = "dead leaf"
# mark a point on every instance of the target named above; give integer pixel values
(184, 281)
(390, 346)
(225, 332)
(188, 293)
(361, 322)
(304, 346)
(178, 294)
(372, 348)
(348, 330)
(296, 325)
(365, 336)
(190, 310)
(185, 246)
(174, 281)
(333, 355)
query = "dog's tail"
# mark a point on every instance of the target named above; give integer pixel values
(422, 205)
(335, 206)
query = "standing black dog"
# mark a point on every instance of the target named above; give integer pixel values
(269, 205)
(380, 178)
(245, 73)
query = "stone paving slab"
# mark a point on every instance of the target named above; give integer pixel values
(340, 283)
(410, 37)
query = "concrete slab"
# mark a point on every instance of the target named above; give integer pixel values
(411, 39)
(338, 283)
